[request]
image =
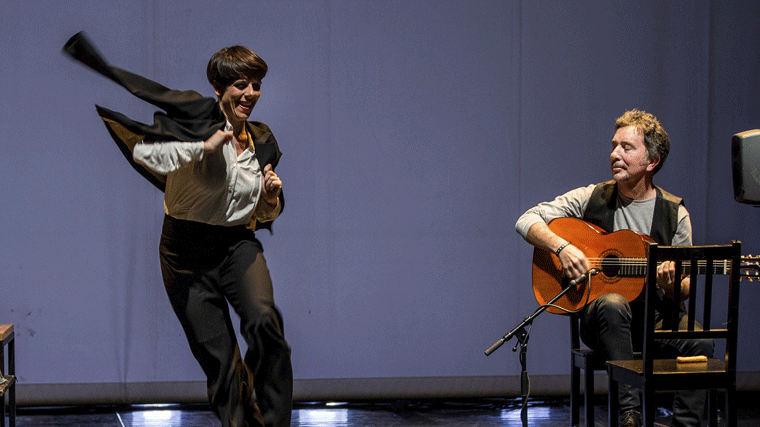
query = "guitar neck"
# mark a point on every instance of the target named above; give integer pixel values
(636, 267)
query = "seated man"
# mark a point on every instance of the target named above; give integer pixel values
(609, 324)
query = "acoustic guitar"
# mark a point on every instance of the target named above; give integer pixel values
(619, 257)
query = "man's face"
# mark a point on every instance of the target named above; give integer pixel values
(629, 159)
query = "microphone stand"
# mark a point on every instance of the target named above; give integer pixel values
(522, 337)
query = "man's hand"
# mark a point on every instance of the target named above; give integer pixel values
(217, 140)
(271, 185)
(574, 262)
(666, 279)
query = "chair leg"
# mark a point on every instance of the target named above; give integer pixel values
(588, 395)
(731, 407)
(575, 393)
(12, 407)
(613, 405)
(712, 407)
(649, 405)
(12, 391)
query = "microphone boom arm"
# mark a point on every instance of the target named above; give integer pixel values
(528, 320)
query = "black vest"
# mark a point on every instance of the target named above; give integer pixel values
(603, 203)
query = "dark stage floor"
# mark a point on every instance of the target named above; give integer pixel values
(481, 413)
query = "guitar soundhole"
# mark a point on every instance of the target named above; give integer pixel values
(610, 265)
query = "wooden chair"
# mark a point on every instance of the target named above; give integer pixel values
(651, 375)
(8, 377)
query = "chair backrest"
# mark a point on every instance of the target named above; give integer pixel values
(698, 262)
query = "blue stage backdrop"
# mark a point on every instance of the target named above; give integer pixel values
(414, 134)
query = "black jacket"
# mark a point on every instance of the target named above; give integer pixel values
(187, 116)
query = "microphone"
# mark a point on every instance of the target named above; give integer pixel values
(585, 277)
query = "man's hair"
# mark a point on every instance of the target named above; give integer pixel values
(233, 63)
(655, 137)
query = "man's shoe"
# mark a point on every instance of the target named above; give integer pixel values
(630, 419)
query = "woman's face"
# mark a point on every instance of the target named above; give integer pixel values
(239, 98)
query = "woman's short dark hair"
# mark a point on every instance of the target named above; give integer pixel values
(233, 63)
(655, 137)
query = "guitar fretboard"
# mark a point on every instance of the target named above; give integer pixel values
(636, 267)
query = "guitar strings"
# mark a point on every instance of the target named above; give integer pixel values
(724, 265)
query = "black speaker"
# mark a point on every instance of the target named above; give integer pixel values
(745, 161)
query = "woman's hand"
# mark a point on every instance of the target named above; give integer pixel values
(217, 140)
(271, 185)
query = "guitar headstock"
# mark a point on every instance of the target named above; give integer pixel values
(750, 267)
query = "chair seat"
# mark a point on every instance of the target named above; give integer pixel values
(664, 371)
(585, 357)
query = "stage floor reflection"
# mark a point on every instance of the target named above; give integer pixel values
(481, 413)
